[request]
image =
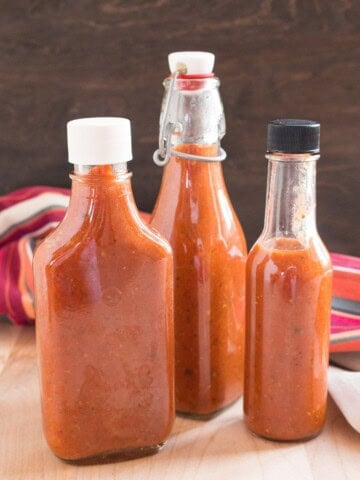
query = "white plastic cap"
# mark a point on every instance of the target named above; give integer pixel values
(99, 140)
(192, 63)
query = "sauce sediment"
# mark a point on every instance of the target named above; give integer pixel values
(194, 213)
(104, 304)
(287, 341)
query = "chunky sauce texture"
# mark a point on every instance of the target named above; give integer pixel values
(104, 305)
(287, 339)
(194, 213)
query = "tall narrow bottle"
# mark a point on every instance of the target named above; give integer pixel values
(104, 310)
(288, 297)
(193, 211)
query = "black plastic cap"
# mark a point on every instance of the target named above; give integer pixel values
(293, 136)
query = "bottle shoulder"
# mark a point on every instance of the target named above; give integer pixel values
(203, 235)
(205, 218)
(282, 254)
(76, 242)
(155, 238)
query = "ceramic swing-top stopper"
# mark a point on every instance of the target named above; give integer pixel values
(192, 63)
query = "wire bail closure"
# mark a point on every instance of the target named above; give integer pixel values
(163, 154)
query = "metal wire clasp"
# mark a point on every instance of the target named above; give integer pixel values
(163, 154)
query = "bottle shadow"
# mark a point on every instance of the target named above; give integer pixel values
(226, 435)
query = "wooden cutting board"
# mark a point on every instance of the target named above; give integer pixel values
(218, 449)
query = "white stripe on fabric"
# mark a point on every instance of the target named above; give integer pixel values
(21, 211)
(346, 269)
(348, 334)
(340, 313)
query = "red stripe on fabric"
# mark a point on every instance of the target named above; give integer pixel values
(347, 346)
(346, 285)
(7, 282)
(26, 193)
(3, 279)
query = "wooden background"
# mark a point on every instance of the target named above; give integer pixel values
(63, 59)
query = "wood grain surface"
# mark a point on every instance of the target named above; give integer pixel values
(62, 59)
(220, 449)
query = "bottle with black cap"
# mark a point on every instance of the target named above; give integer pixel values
(288, 295)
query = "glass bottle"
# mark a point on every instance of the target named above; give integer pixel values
(104, 310)
(288, 295)
(193, 211)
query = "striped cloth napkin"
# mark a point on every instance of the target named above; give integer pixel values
(29, 214)
(345, 310)
(26, 216)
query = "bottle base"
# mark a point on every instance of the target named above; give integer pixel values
(205, 416)
(116, 456)
(273, 438)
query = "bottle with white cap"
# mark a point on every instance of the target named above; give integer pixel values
(104, 309)
(194, 212)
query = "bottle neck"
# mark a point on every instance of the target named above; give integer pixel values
(194, 111)
(94, 185)
(93, 173)
(181, 174)
(291, 197)
(194, 108)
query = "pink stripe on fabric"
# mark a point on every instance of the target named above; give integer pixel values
(348, 261)
(337, 315)
(345, 326)
(12, 294)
